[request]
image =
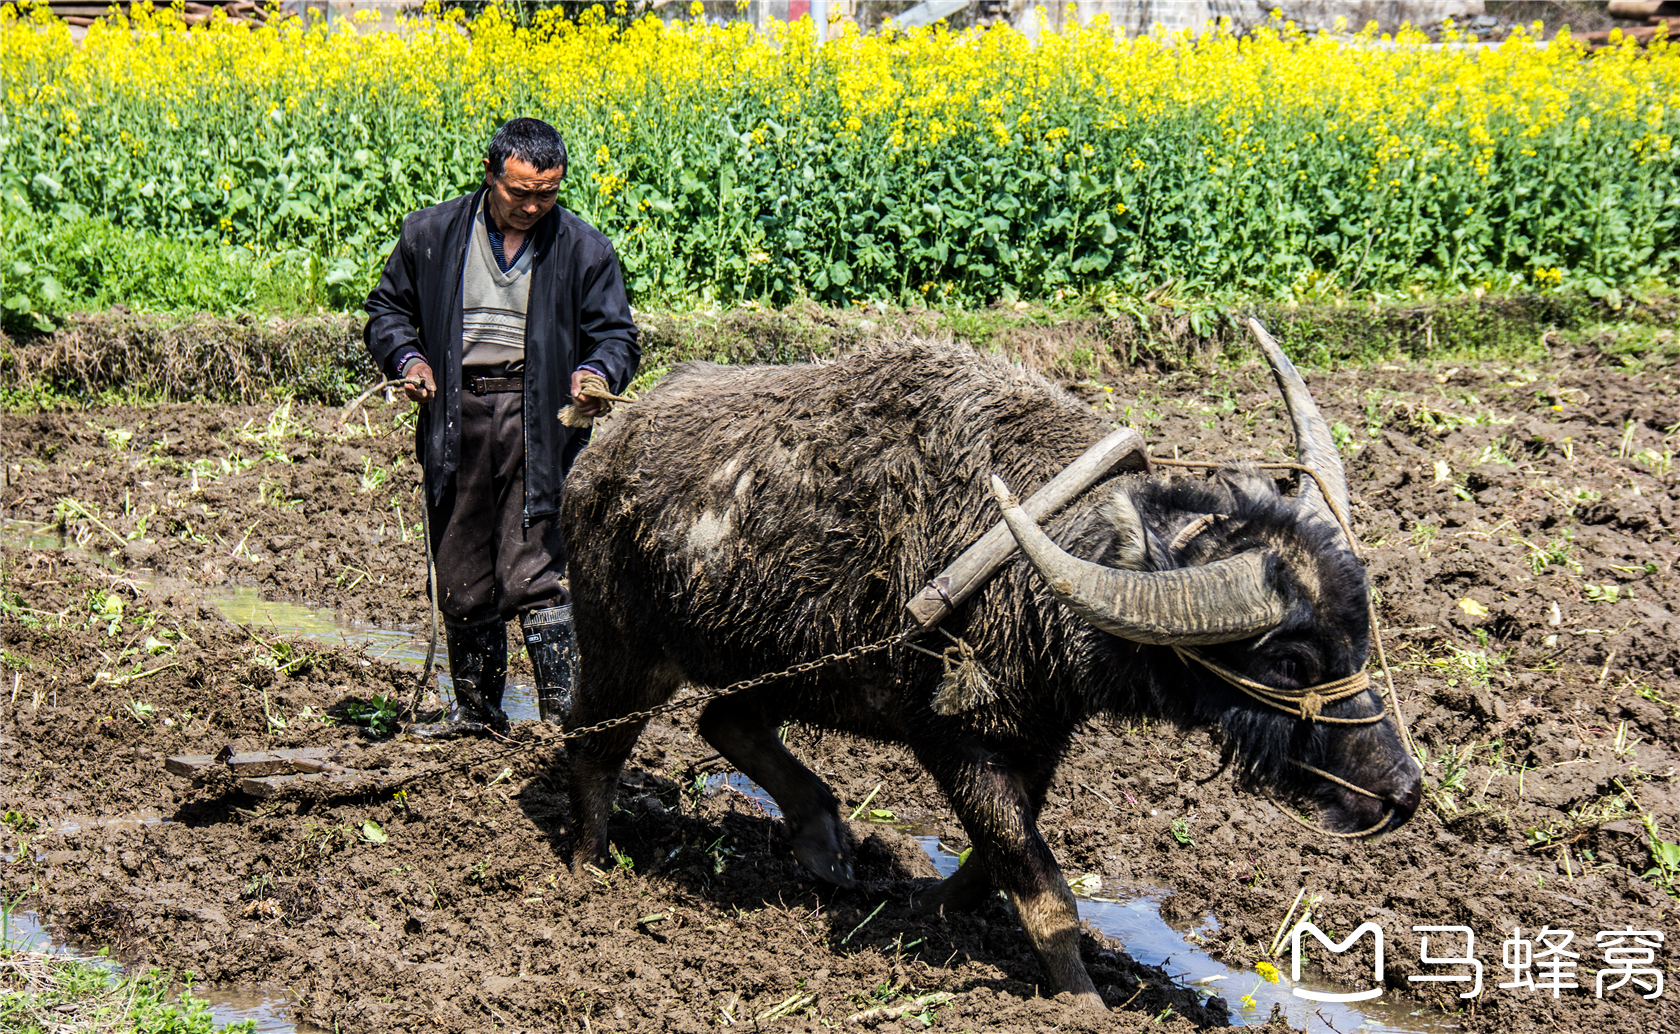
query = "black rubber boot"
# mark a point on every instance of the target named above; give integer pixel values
(548, 639)
(478, 665)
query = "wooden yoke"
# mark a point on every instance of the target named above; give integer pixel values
(1123, 449)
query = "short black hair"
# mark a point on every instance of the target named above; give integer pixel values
(532, 141)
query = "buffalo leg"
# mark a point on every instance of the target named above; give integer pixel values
(606, 691)
(740, 733)
(597, 761)
(998, 806)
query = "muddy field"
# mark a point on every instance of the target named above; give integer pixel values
(1520, 524)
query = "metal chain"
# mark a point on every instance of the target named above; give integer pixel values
(741, 687)
(675, 705)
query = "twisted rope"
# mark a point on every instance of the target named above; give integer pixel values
(592, 386)
(1305, 703)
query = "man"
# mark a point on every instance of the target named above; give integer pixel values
(497, 304)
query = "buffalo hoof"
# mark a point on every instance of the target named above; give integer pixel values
(826, 865)
(821, 848)
(963, 891)
(583, 861)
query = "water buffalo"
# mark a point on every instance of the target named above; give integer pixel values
(738, 520)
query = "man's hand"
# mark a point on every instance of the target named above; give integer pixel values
(584, 404)
(427, 390)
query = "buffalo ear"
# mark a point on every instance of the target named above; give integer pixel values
(1247, 485)
(1131, 539)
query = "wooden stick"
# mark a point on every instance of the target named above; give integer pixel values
(259, 763)
(351, 406)
(950, 587)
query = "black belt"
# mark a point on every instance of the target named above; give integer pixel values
(495, 385)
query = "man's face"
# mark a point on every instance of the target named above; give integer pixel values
(521, 195)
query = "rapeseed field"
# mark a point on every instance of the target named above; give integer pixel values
(950, 167)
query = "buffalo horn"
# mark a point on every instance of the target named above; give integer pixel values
(1220, 602)
(1313, 444)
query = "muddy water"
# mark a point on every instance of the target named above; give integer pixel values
(245, 606)
(29, 534)
(269, 1012)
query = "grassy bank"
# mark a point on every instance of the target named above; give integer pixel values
(122, 356)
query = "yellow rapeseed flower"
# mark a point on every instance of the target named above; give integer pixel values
(1388, 120)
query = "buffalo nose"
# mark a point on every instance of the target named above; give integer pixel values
(1406, 800)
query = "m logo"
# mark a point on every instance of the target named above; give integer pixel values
(1326, 996)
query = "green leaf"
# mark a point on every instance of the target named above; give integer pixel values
(372, 833)
(342, 271)
(1093, 261)
(839, 274)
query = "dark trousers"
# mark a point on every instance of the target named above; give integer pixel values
(488, 563)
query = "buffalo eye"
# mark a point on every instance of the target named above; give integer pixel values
(1287, 669)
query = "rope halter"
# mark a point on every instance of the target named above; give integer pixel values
(1305, 703)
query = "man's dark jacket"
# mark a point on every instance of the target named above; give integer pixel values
(577, 313)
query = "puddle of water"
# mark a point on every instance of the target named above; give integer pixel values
(1136, 922)
(270, 1015)
(34, 535)
(245, 606)
(29, 534)
(1133, 917)
(76, 825)
(747, 788)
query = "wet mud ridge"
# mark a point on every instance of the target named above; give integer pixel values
(1521, 529)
